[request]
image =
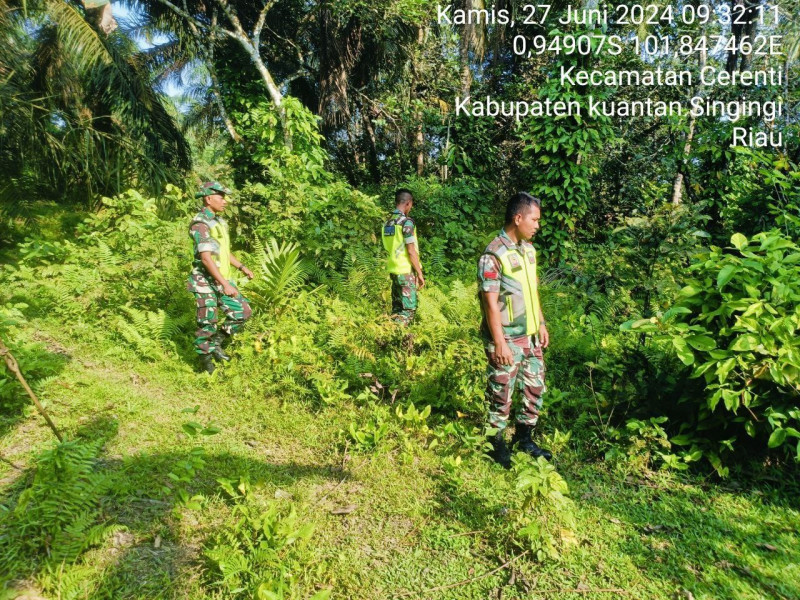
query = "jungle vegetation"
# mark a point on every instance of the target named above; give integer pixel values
(339, 455)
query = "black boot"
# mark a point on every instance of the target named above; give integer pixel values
(522, 439)
(220, 340)
(500, 452)
(207, 363)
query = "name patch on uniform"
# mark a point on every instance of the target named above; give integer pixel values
(513, 260)
(531, 258)
(388, 230)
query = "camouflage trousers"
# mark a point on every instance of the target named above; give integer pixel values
(404, 298)
(210, 300)
(525, 373)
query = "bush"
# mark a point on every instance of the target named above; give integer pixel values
(326, 220)
(455, 223)
(261, 554)
(735, 323)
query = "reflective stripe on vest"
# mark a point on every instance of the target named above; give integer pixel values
(220, 233)
(398, 263)
(522, 269)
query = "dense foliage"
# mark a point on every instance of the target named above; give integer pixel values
(669, 278)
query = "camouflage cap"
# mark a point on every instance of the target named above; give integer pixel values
(209, 188)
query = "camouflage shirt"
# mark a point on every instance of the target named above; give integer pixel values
(202, 241)
(398, 218)
(510, 299)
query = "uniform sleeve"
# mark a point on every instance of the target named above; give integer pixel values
(201, 235)
(489, 271)
(409, 232)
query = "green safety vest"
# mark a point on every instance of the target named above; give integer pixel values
(220, 233)
(519, 290)
(399, 262)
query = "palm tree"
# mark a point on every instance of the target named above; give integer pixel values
(79, 116)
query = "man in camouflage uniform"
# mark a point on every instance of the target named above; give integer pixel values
(211, 279)
(513, 328)
(400, 241)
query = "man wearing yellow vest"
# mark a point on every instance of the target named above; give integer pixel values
(513, 328)
(400, 241)
(211, 279)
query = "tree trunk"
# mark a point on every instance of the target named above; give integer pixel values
(221, 105)
(229, 127)
(419, 137)
(372, 146)
(744, 24)
(420, 148)
(677, 184)
(467, 34)
(445, 167)
(273, 91)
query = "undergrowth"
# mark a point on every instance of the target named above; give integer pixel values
(330, 377)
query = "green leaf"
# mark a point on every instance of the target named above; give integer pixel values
(690, 290)
(724, 368)
(701, 369)
(739, 241)
(191, 428)
(792, 432)
(777, 438)
(745, 343)
(644, 324)
(685, 355)
(701, 342)
(683, 439)
(725, 275)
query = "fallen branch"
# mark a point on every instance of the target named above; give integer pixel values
(466, 533)
(583, 591)
(8, 462)
(13, 366)
(465, 581)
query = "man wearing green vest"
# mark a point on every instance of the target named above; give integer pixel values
(210, 280)
(513, 328)
(400, 240)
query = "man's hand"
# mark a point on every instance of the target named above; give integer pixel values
(229, 290)
(502, 355)
(544, 336)
(246, 271)
(420, 280)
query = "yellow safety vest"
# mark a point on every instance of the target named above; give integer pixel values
(398, 262)
(519, 265)
(220, 233)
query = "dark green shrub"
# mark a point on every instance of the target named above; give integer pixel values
(735, 324)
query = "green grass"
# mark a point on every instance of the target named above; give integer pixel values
(414, 527)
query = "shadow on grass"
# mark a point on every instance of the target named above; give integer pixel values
(36, 362)
(711, 541)
(145, 556)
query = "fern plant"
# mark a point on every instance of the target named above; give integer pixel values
(149, 331)
(281, 272)
(58, 516)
